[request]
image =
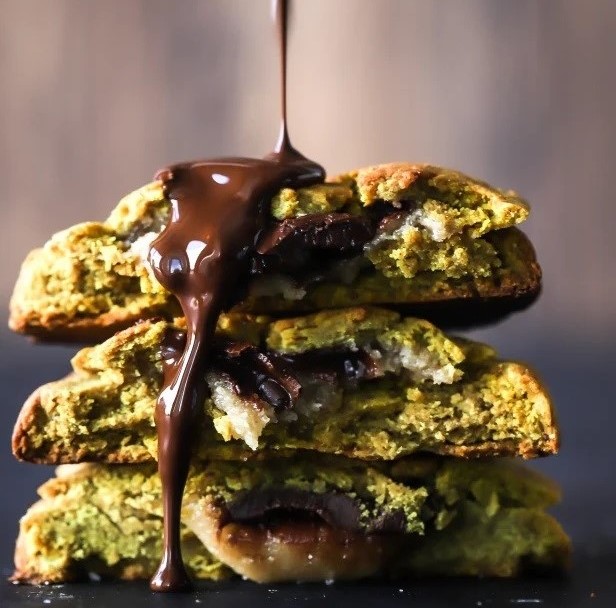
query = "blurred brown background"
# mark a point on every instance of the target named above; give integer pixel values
(97, 95)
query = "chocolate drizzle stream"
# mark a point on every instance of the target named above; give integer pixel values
(203, 256)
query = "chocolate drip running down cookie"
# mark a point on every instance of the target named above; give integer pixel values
(219, 209)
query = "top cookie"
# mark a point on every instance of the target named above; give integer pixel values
(396, 234)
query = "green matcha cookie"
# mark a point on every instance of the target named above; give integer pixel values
(304, 518)
(438, 236)
(373, 385)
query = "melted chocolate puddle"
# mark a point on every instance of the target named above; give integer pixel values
(219, 209)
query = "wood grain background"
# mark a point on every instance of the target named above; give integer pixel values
(96, 95)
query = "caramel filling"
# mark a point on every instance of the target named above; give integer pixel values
(283, 534)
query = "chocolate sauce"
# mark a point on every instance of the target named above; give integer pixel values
(218, 210)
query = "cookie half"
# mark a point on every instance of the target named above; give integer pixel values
(362, 382)
(432, 241)
(298, 519)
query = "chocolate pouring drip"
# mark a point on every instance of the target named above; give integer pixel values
(219, 209)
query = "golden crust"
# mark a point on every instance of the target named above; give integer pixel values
(25, 572)
(377, 181)
(38, 450)
(86, 330)
(391, 181)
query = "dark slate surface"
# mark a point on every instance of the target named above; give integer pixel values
(580, 379)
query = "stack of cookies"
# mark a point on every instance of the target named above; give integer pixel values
(346, 432)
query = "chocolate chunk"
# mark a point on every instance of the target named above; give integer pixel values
(340, 231)
(310, 242)
(339, 364)
(392, 221)
(274, 394)
(338, 510)
(254, 373)
(272, 376)
(354, 368)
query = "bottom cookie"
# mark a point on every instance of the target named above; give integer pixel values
(297, 519)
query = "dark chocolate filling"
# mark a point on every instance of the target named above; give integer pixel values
(304, 247)
(300, 245)
(255, 373)
(330, 364)
(272, 376)
(261, 505)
